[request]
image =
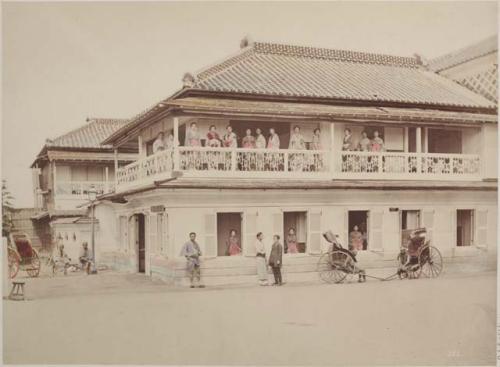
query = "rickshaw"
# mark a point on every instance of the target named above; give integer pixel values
(338, 263)
(22, 255)
(416, 257)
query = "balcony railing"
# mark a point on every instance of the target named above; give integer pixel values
(80, 189)
(265, 163)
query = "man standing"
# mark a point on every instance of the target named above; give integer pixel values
(275, 260)
(191, 251)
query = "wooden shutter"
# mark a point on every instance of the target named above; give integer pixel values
(123, 233)
(250, 234)
(153, 230)
(132, 222)
(210, 235)
(481, 235)
(277, 226)
(314, 242)
(376, 219)
(428, 222)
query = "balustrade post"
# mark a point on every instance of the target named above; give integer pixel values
(331, 152)
(380, 169)
(233, 159)
(285, 161)
(419, 162)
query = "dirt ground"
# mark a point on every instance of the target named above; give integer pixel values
(114, 318)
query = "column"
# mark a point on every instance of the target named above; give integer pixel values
(332, 149)
(106, 175)
(115, 154)
(419, 149)
(176, 143)
(406, 137)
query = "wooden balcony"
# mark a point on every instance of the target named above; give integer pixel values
(202, 162)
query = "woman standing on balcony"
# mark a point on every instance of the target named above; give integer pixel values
(347, 142)
(377, 142)
(213, 139)
(260, 141)
(230, 138)
(249, 141)
(192, 136)
(274, 140)
(291, 242)
(297, 141)
(364, 144)
(233, 244)
(316, 140)
(159, 143)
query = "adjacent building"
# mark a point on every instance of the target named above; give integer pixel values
(64, 171)
(429, 159)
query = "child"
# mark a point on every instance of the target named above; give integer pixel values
(275, 260)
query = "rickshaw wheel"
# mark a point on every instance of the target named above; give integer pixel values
(33, 268)
(331, 267)
(13, 258)
(431, 262)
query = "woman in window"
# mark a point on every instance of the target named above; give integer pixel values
(377, 142)
(274, 140)
(213, 139)
(291, 242)
(316, 140)
(356, 239)
(230, 139)
(192, 136)
(248, 141)
(233, 244)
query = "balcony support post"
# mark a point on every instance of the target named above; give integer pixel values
(115, 158)
(233, 159)
(106, 175)
(176, 144)
(331, 160)
(419, 149)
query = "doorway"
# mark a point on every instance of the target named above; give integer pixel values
(227, 222)
(140, 242)
(465, 227)
(359, 218)
(410, 220)
(296, 221)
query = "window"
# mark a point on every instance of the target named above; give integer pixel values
(465, 227)
(358, 229)
(83, 173)
(444, 141)
(295, 232)
(229, 234)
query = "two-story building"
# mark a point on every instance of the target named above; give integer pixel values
(64, 171)
(382, 143)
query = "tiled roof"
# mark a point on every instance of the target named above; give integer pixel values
(88, 136)
(294, 71)
(482, 48)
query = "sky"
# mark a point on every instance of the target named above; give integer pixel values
(65, 61)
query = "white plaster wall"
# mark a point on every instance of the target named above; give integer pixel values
(107, 236)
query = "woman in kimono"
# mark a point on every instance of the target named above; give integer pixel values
(233, 244)
(291, 242)
(260, 141)
(170, 142)
(213, 139)
(347, 159)
(248, 141)
(297, 141)
(316, 140)
(364, 144)
(230, 139)
(192, 136)
(261, 259)
(356, 239)
(347, 141)
(274, 140)
(377, 142)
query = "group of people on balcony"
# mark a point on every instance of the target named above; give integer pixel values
(365, 144)
(193, 138)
